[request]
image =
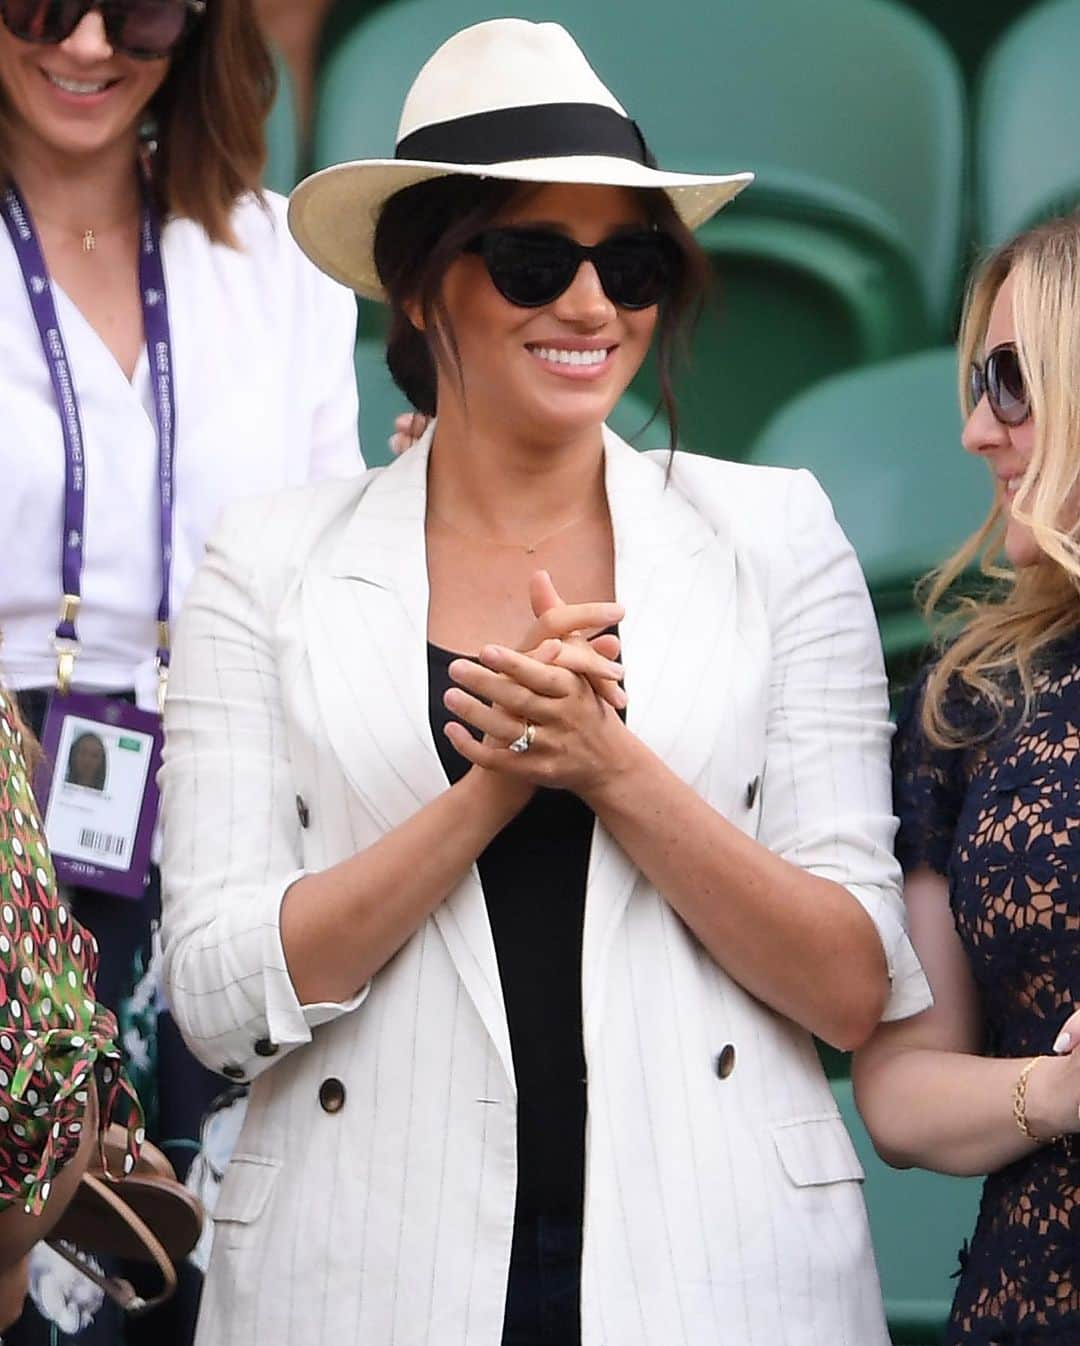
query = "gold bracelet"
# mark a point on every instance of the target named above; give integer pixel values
(1020, 1104)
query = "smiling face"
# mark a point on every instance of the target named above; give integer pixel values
(77, 98)
(1006, 449)
(553, 372)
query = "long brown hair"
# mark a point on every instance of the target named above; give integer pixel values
(999, 634)
(210, 116)
(422, 228)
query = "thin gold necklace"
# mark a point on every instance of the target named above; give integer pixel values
(89, 237)
(529, 548)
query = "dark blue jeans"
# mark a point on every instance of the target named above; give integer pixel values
(542, 1300)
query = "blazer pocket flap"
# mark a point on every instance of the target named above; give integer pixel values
(817, 1150)
(246, 1188)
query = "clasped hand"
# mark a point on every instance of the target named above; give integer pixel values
(564, 683)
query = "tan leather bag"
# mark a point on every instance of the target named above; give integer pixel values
(147, 1216)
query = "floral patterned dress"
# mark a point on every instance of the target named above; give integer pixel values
(1001, 821)
(54, 1036)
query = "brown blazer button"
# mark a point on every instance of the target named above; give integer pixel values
(725, 1062)
(331, 1095)
(752, 791)
(232, 1072)
(264, 1047)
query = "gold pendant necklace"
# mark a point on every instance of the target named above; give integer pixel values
(529, 548)
(89, 242)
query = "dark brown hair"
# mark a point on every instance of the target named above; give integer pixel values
(422, 228)
(211, 114)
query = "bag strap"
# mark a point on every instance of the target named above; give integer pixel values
(120, 1291)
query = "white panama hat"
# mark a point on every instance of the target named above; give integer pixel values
(503, 99)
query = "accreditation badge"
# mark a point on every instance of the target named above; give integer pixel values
(97, 790)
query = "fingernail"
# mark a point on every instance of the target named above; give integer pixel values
(1063, 1043)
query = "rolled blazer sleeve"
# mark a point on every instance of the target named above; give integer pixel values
(826, 797)
(230, 828)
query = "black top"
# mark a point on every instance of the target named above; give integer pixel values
(533, 874)
(1001, 821)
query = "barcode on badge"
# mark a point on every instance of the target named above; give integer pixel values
(101, 843)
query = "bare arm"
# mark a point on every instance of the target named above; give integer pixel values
(808, 917)
(256, 950)
(926, 1094)
(20, 1231)
(800, 943)
(339, 926)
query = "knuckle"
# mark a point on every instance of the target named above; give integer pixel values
(514, 699)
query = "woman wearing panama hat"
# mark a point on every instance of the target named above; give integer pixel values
(524, 963)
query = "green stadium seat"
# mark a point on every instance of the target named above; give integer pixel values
(884, 442)
(638, 421)
(970, 33)
(1027, 153)
(283, 166)
(340, 20)
(851, 113)
(918, 1221)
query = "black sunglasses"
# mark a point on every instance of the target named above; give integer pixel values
(145, 29)
(1001, 379)
(532, 267)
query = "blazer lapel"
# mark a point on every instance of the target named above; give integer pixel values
(365, 614)
(675, 576)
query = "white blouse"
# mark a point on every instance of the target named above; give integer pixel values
(265, 398)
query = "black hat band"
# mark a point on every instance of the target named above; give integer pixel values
(541, 131)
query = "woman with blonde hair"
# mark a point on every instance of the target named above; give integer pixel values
(987, 787)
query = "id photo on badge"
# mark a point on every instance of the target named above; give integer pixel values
(98, 791)
(87, 763)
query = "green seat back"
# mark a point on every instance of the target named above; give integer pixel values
(850, 112)
(341, 18)
(283, 167)
(970, 33)
(1027, 150)
(769, 331)
(884, 442)
(918, 1221)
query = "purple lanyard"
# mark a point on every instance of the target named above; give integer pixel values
(159, 351)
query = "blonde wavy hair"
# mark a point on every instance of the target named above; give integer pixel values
(991, 638)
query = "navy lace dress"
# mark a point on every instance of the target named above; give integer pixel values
(1001, 821)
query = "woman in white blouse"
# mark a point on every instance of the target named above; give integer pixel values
(112, 120)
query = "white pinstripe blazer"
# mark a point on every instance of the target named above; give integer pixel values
(371, 1198)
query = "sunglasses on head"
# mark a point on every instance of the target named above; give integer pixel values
(145, 29)
(533, 267)
(1002, 381)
